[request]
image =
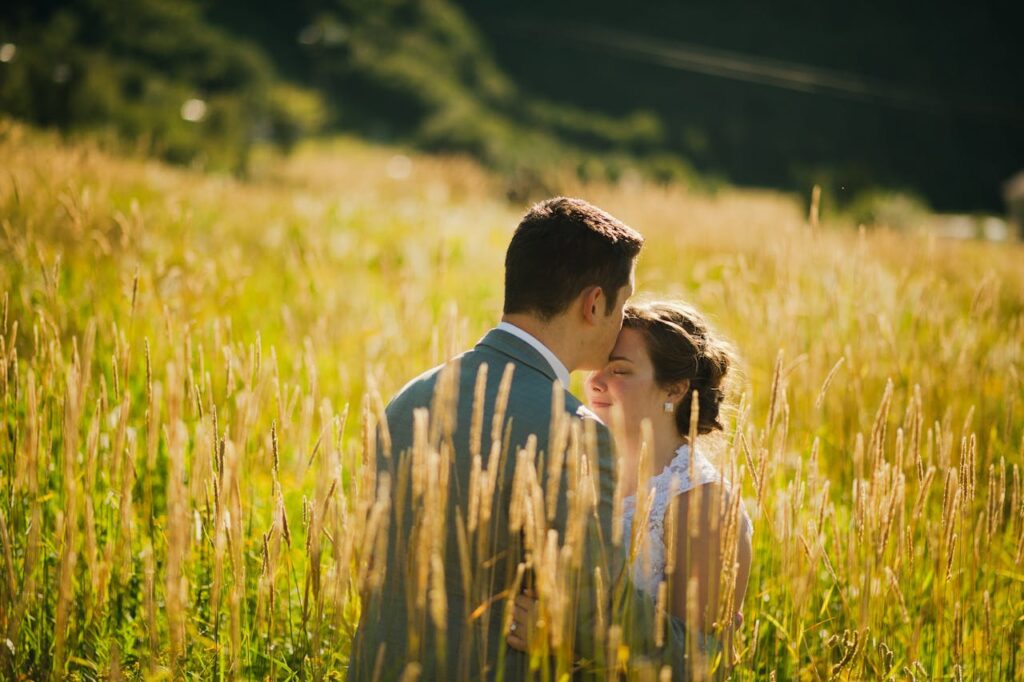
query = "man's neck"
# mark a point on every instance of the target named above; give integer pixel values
(554, 334)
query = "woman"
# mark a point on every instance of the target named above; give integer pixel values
(664, 356)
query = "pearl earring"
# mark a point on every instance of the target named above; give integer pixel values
(669, 405)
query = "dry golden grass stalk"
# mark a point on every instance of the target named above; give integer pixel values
(876, 445)
(561, 612)
(589, 458)
(488, 485)
(149, 599)
(820, 400)
(583, 507)
(26, 479)
(729, 540)
(923, 493)
(276, 468)
(1020, 539)
(7, 596)
(438, 595)
(659, 614)
(900, 601)
(823, 508)
(176, 582)
(900, 447)
(476, 426)
(693, 615)
(617, 654)
(600, 598)
(233, 533)
(510, 597)
(950, 554)
(815, 209)
(691, 438)
(476, 485)
(500, 405)
(521, 480)
(671, 526)
(465, 564)
(557, 443)
(90, 549)
(774, 392)
(67, 520)
(377, 536)
(121, 541)
(851, 646)
(638, 538)
(893, 506)
(617, 502)
(411, 673)
(443, 405)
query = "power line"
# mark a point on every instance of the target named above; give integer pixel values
(772, 72)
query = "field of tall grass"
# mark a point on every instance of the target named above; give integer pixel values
(191, 367)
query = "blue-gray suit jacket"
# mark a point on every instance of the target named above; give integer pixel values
(395, 632)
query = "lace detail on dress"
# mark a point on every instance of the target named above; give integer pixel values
(648, 568)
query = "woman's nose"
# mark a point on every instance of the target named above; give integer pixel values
(596, 382)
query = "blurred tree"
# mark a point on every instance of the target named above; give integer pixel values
(152, 70)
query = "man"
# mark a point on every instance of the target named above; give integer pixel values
(465, 451)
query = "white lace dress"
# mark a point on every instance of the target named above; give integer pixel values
(648, 569)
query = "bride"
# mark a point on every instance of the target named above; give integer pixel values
(664, 356)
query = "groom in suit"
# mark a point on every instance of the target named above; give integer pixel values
(438, 611)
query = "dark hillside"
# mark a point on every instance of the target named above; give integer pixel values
(861, 98)
(926, 97)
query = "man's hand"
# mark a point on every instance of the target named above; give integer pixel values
(523, 615)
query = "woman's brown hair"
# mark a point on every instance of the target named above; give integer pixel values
(683, 347)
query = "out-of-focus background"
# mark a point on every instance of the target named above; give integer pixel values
(892, 108)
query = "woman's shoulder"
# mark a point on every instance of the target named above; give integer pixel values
(715, 491)
(690, 468)
(713, 500)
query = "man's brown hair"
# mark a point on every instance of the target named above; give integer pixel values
(561, 247)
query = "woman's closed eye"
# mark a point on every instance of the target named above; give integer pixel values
(617, 367)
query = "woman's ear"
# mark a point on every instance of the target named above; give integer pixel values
(678, 390)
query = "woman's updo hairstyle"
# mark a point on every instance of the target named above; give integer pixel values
(684, 348)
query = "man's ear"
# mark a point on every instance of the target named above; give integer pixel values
(591, 301)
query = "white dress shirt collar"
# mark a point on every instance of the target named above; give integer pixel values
(560, 370)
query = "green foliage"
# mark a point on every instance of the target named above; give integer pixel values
(295, 113)
(895, 210)
(420, 73)
(397, 70)
(131, 67)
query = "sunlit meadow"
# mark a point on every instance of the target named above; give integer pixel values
(191, 365)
